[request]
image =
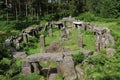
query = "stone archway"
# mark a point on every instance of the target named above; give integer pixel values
(65, 64)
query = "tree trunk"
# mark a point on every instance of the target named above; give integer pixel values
(7, 11)
(16, 12)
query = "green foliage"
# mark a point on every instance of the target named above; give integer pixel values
(33, 76)
(87, 16)
(32, 46)
(99, 59)
(78, 58)
(59, 77)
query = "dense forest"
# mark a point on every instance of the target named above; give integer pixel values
(38, 9)
(16, 15)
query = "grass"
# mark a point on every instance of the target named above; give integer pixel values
(72, 43)
(48, 64)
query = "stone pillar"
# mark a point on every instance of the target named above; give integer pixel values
(97, 42)
(59, 67)
(69, 70)
(17, 45)
(42, 42)
(100, 41)
(36, 67)
(7, 43)
(64, 34)
(84, 26)
(25, 37)
(26, 68)
(80, 42)
(50, 32)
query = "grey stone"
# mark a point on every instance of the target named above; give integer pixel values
(50, 32)
(25, 37)
(42, 41)
(54, 48)
(64, 34)
(69, 71)
(59, 24)
(80, 72)
(86, 52)
(19, 54)
(36, 67)
(45, 57)
(7, 43)
(80, 41)
(26, 68)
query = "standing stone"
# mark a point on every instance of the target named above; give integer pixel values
(80, 72)
(80, 40)
(59, 67)
(68, 66)
(36, 67)
(17, 45)
(25, 37)
(7, 43)
(26, 68)
(64, 34)
(42, 42)
(50, 32)
(97, 43)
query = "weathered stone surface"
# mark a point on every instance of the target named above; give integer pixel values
(28, 30)
(59, 24)
(69, 71)
(17, 45)
(45, 57)
(25, 37)
(7, 43)
(26, 68)
(80, 41)
(68, 31)
(77, 23)
(12, 50)
(110, 52)
(64, 34)
(36, 67)
(68, 19)
(19, 54)
(42, 41)
(50, 32)
(86, 52)
(54, 48)
(59, 67)
(80, 72)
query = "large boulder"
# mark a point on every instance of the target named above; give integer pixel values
(68, 67)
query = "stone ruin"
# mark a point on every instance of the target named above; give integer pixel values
(64, 34)
(65, 64)
(54, 52)
(68, 19)
(102, 38)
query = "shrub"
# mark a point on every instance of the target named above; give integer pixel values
(99, 59)
(78, 58)
(87, 17)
